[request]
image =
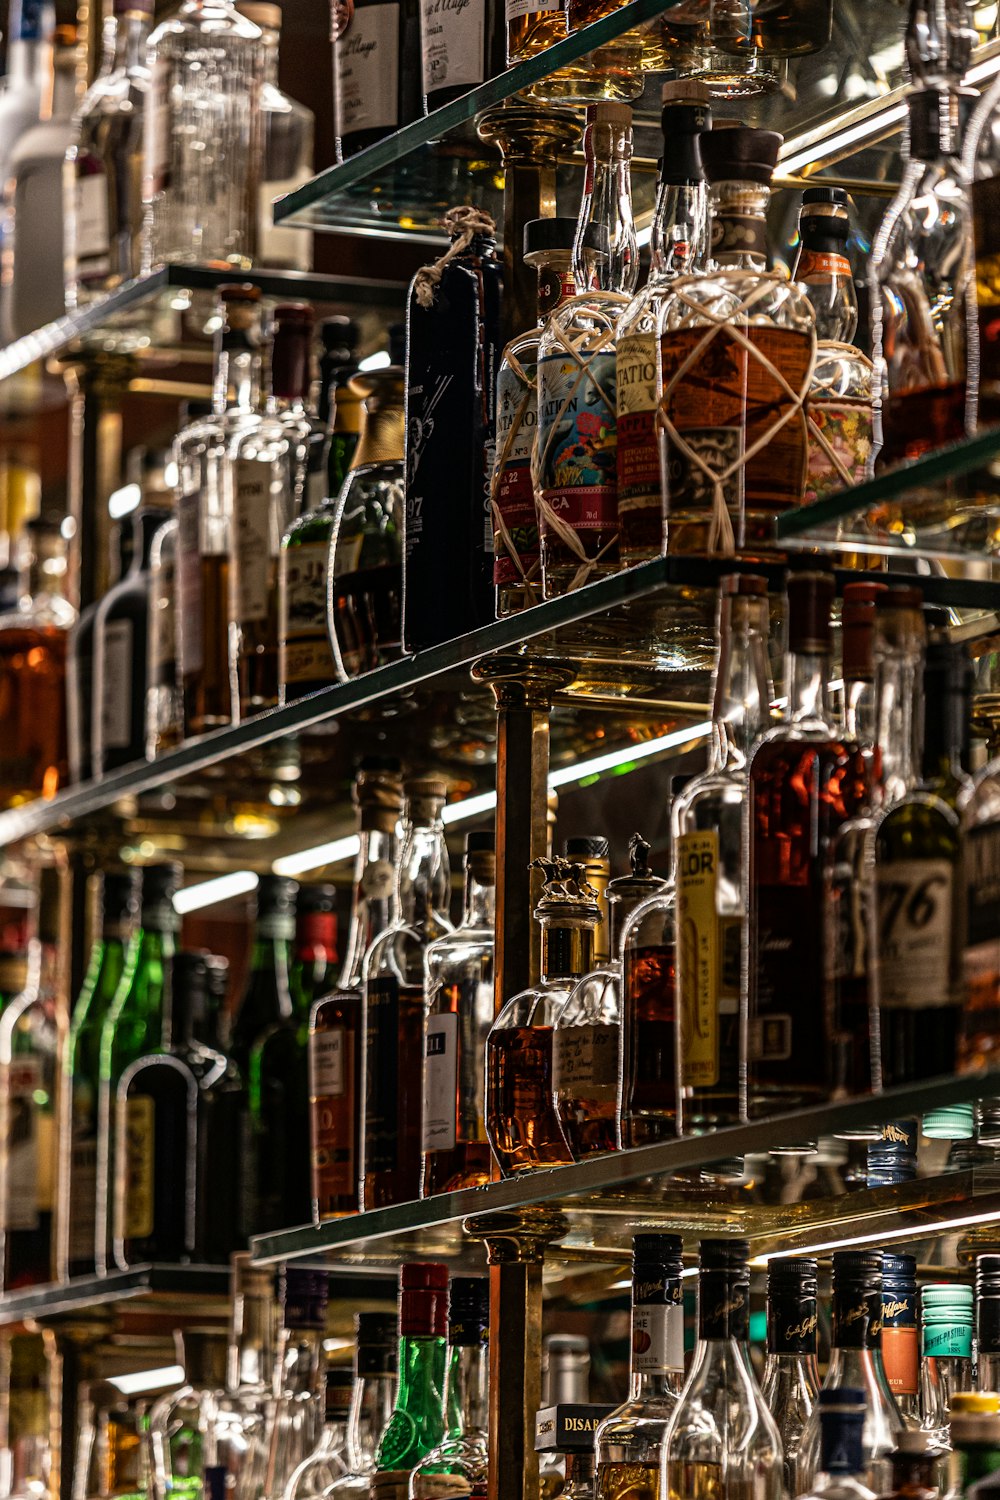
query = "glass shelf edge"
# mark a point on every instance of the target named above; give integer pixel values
(56, 1298)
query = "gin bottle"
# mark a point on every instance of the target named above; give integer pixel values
(790, 1383)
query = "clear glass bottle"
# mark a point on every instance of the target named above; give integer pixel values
(734, 449)
(164, 689)
(365, 568)
(376, 1357)
(721, 1433)
(417, 1423)
(30, 25)
(202, 141)
(182, 1423)
(458, 1015)
(842, 1471)
(856, 1363)
(393, 976)
(988, 1322)
(521, 1119)
(458, 1464)
(946, 1319)
(790, 1383)
(678, 246)
(629, 1443)
(607, 202)
(327, 1462)
(297, 1411)
(647, 1083)
(716, 45)
(900, 1334)
(102, 174)
(898, 643)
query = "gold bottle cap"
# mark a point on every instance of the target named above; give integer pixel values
(986, 1403)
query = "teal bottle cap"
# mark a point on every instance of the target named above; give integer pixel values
(946, 1303)
(956, 1122)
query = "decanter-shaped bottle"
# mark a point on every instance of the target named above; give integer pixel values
(458, 1464)
(946, 1319)
(376, 1357)
(790, 1383)
(842, 1471)
(647, 1082)
(327, 1462)
(901, 1334)
(297, 1411)
(417, 1423)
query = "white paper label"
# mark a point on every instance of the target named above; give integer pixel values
(914, 920)
(116, 685)
(304, 570)
(21, 1198)
(326, 1064)
(253, 560)
(156, 140)
(92, 238)
(518, 8)
(440, 1082)
(451, 43)
(367, 51)
(585, 1061)
(657, 1338)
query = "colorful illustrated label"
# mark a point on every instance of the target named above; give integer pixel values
(577, 440)
(513, 490)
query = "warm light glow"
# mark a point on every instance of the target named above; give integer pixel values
(377, 361)
(913, 1232)
(793, 156)
(121, 502)
(148, 1380)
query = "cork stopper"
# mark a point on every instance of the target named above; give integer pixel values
(378, 793)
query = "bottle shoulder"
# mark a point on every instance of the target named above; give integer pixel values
(755, 297)
(539, 1006)
(595, 1000)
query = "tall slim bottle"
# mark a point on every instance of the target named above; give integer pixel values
(790, 1383)
(987, 1322)
(376, 1358)
(417, 1423)
(298, 1374)
(901, 1334)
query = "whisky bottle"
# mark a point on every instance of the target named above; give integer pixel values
(722, 1438)
(376, 71)
(458, 1015)
(522, 1121)
(336, 1034)
(856, 1364)
(840, 395)
(842, 1474)
(607, 202)
(647, 1085)
(393, 980)
(790, 1383)
(715, 45)
(987, 1322)
(678, 245)
(946, 1319)
(586, 1047)
(164, 688)
(898, 643)
(791, 948)
(297, 1412)
(629, 1443)
(709, 867)
(417, 1423)
(900, 1334)
(376, 1355)
(327, 1462)
(533, 25)
(459, 48)
(204, 515)
(735, 442)
(457, 1466)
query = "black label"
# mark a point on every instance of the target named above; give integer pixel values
(791, 1324)
(899, 1308)
(857, 1320)
(723, 1306)
(739, 234)
(988, 1325)
(650, 1288)
(382, 1075)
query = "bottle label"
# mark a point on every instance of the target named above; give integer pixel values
(638, 448)
(513, 489)
(840, 433)
(308, 657)
(901, 1359)
(658, 1336)
(326, 1063)
(157, 138)
(791, 1326)
(441, 1083)
(163, 622)
(585, 1061)
(914, 921)
(723, 1307)
(452, 43)
(116, 688)
(381, 1075)
(334, 1116)
(252, 491)
(92, 238)
(367, 53)
(698, 953)
(139, 1134)
(948, 1341)
(857, 1320)
(816, 267)
(189, 583)
(515, 9)
(21, 1197)
(576, 440)
(981, 960)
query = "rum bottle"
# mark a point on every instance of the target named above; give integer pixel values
(790, 1383)
(458, 1015)
(458, 1464)
(417, 1423)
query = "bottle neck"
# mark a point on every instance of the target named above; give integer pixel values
(269, 52)
(823, 272)
(898, 671)
(568, 947)
(841, 1446)
(290, 361)
(480, 904)
(131, 36)
(723, 1309)
(420, 1359)
(44, 574)
(383, 435)
(371, 903)
(422, 885)
(742, 706)
(680, 230)
(251, 1346)
(860, 711)
(299, 1363)
(940, 1378)
(238, 371)
(657, 1361)
(857, 1319)
(29, 50)
(945, 729)
(557, 282)
(806, 675)
(607, 202)
(466, 1401)
(371, 1407)
(739, 225)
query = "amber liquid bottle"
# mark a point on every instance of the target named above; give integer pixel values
(336, 1095)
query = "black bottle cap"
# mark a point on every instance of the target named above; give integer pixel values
(800, 1275)
(834, 195)
(897, 1267)
(664, 1250)
(740, 154)
(276, 894)
(468, 1309)
(120, 894)
(480, 843)
(684, 118)
(340, 335)
(338, 1387)
(303, 1295)
(791, 1306)
(586, 846)
(657, 1266)
(988, 1274)
(160, 883)
(723, 1255)
(377, 1347)
(315, 898)
(857, 1265)
(569, 1427)
(810, 600)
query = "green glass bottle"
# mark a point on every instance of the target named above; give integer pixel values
(133, 1027)
(458, 1466)
(82, 1068)
(417, 1424)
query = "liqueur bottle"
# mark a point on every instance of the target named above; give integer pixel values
(521, 1118)
(266, 470)
(376, 1356)
(805, 784)
(679, 243)
(629, 1443)
(790, 1383)
(647, 1085)
(376, 71)
(946, 1319)
(205, 516)
(987, 1322)
(393, 976)
(735, 444)
(856, 1363)
(336, 1033)
(900, 1334)
(452, 325)
(365, 567)
(202, 146)
(102, 180)
(458, 1465)
(328, 1460)
(842, 1470)
(417, 1423)
(164, 689)
(459, 49)
(721, 1432)
(78, 1135)
(840, 396)
(313, 971)
(296, 1416)
(607, 202)
(709, 859)
(458, 1015)
(918, 866)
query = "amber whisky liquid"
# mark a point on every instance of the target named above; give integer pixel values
(334, 1104)
(921, 419)
(521, 1121)
(649, 1046)
(626, 1481)
(208, 690)
(367, 617)
(34, 755)
(393, 1092)
(257, 658)
(531, 31)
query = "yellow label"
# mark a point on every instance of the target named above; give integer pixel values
(698, 957)
(139, 1140)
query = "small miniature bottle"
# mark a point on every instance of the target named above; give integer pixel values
(790, 1383)
(841, 1466)
(900, 1334)
(457, 1466)
(946, 1317)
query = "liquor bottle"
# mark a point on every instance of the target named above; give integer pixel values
(792, 855)
(365, 567)
(921, 255)
(320, 1470)
(647, 1085)
(459, 49)
(269, 1046)
(839, 407)
(918, 866)
(607, 201)
(170, 1424)
(77, 1195)
(393, 979)
(121, 656)
(452, 325)
(205, 518)
(860, 701)
(102, 178)
(593, 852)
(842, 1470)
(458, 1015)
(735, 448)
(28, 1441)
(891, 1160)
(946, 1318)
(266, 469)
(202, 141)
(791, 28)
(530, 30)
(709, 860)
(898, 643)
(679, 242)
(133, 1027)
(376, 1353)
(900, 1336)
(715, 46)
(33, 648)
(565, 1369)
(339, 406)
(164, 689)
(336, 1032)
(629, 1443)
(975, 1440)
(918, 1467)
(305, 658)
(856, 1363)
(980, 1034)
(313, 971)
(30, 24)
(179, 1111)
(376, 71)
(564, 1438)
(298, 1374)
(31, 1037)
(289, 131)
(721, 1432)
(790, 1383)
(987, 1322)
(458, 1463)
(417, 1423)
(521, 1119)
(80, 665)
